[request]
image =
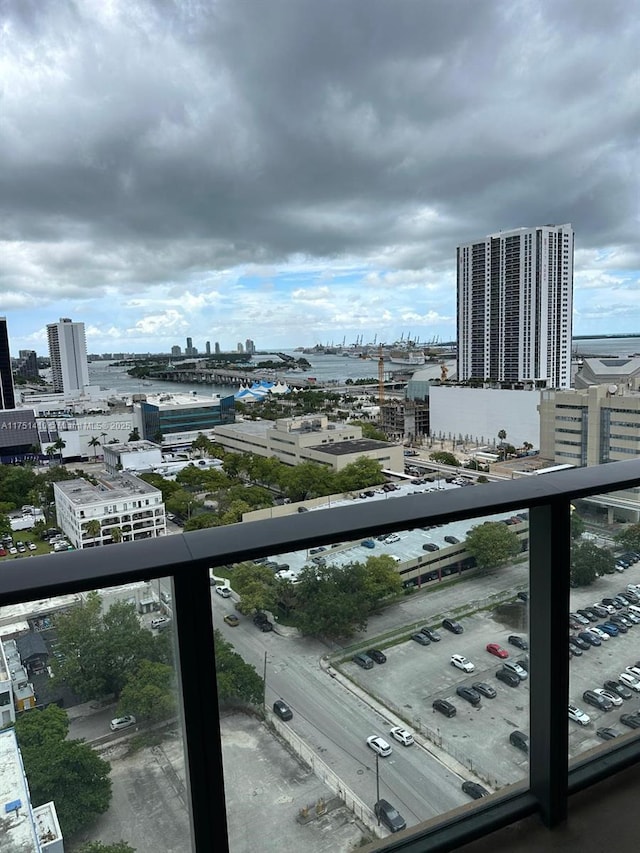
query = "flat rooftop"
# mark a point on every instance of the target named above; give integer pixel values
(118, 487)
(351, 445)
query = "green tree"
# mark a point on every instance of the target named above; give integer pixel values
(371, 431)
(492, 544)
(502, 434)
(381, 579)
(134, 435)
(203, 445)
(577, 525)
(360, 474)
(50, 759)
(630, 537)
(444, 458)
(203, 520)
(237, 680)
(116, 534)
(94, 442)
(588, 562)
(256, 586)
(307, 480)
(16, 483)
(5, 525)
(332, 601)
(150, 692)
(93, 528)
(59, 445)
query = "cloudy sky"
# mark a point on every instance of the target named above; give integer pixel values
(300, 172)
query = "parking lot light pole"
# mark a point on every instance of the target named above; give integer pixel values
(377, 787)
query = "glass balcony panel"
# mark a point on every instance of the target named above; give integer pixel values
(97, 670)
(320, 695)
(604, 624)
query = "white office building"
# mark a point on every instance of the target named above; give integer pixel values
(515, 292)
(123, 502)
(68, 355)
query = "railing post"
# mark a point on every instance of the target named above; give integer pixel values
(550, 554)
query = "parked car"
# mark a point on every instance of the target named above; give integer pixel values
(389, 816)
(518, 642)
(599, 633)
(579, 641)
(224, 591)
(590, 638)
(508, 677)
(610, 627)
(453, 626)
(497, 650)
(621, 626)
(615, 700)
(599, 702)
(484, 689)
(402, 735)
(630, 720)
(231, 619)
(391, 538)
(368, 543)
(516, 668)
(607, 733)
(432, 634)
(463, 663)
(523, 596)
(430, 546)
(421, 638)
(363, 660)
(377, 656)
(520, 740)
(451, 540)
(633, 670)
(474, 790)
(281, 708)
(618, 688)
(469, 695)
(379, 745)
(578, 715)
(630, 681)
(122, 722)
(580, 618)
(444, 707)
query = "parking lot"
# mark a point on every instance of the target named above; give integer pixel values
(415, 675)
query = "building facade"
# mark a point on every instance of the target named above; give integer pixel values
(122, 501)
(178, 419)
(514, 313)
(594, 426)
(7, 393)
(68, 355)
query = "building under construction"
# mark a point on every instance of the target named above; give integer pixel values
(405, 420)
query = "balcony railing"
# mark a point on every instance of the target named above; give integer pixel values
(187, 558)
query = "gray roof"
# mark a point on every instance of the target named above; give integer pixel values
(353, 445)
(31, 644)
(597, 371)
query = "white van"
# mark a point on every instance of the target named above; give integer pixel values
(160, 622)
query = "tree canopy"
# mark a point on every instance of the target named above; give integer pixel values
(588, 562)
(492, 544)
(69, 772)
(630, 537)
(237, 680)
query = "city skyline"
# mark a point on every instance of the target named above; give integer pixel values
(306, 176)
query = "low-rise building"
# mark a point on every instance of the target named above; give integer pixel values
(308, 438)
(134, 456)
(124, 507)
(177, 419)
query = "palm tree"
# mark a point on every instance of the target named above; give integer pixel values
(502, 435)
(59, 445)
(93, 528)
(116, 534)
(94, 442)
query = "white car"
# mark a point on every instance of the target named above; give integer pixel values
(379, 745)
(612, 697)
(462, 663)
(122, 722)
(32, 546)
(402, 735)
(224, 591)
(629, 681)
(633, 670)
(579, 716)
(599, 633)
(391, 538)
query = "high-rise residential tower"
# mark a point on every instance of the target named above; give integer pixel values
(515, 294)
(7, 393)
(68, 355)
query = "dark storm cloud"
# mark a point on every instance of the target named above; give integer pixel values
(169, 138)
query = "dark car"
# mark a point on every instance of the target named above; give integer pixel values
(389, 816)
(474, 790)
(507, 677)
(575, 650)
(618, 688)
(377, 655)
(281, 708)
(579, 641)
(607, 733)
(598, 701)
(586, 614)
(421, 638)
(609, 628)
(484, 689)
(612, 603)
(620, 619)
(452, 540)
(363, 660)
(432, 634)
(614, 620)
(630, 596)
(430, 546)
(519, 642)
(520, 740)
(523, 596)
(630, 720)
(469, 695)
(444, 707)
(590, 638)
(601, 610)
(453, 626)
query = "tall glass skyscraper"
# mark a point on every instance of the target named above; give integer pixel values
(68, 355)
(515, 295)
(7, 394)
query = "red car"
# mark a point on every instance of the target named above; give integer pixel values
(497, 650)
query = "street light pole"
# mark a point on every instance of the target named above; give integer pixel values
(377, 787)
(264, 684)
